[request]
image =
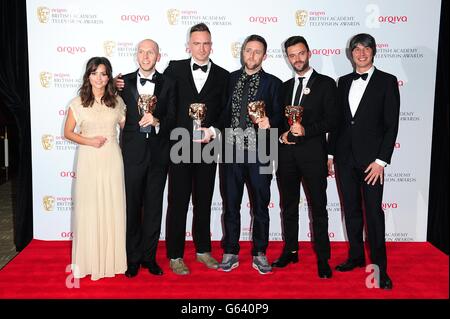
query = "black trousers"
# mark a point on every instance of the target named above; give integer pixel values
(186, 179)
(358, 196)
(144, 185)
(236, 175)
(313, 174)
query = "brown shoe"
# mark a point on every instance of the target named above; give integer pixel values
(179, 267)
(208, 260)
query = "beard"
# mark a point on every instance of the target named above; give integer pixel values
(302, 68)
(252, 65)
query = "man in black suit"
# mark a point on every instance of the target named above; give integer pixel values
(303, 153)
(362, 146)
(146, 156)
(249, 84)
(199, 80)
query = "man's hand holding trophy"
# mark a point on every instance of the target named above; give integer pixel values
(294, 114)
(146, 105)
(197, 112)
(257, 113)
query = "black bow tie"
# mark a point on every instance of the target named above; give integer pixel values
(204, 68)
(363, 76)
(144, 80)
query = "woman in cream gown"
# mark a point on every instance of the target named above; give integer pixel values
(98, 220)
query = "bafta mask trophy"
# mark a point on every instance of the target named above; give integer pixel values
(197, 112)
(294, 114)
(256, 110)
(146, 104)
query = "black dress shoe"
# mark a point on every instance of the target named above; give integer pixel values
(350, 265)
(152, 267)
(385, 282)
(285, 259)
(324, 269)
(132, 270)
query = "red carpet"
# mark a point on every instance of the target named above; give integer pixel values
(418, 271)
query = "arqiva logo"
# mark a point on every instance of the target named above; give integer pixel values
(70, 49)
(326, 52)
(263, 20)
(136, 18)
(392, 19)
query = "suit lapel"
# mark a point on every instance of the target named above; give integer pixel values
(347, 83)
(367, 93)
(189, 74)
(209, 80)
(133, 81)
(309, 85)
(289, 93)
(158, 83)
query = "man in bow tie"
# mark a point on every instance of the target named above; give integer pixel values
(199, 80)
(362, 147)
(145, 156)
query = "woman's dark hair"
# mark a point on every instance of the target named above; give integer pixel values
(85, 91)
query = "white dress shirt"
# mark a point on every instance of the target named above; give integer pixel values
(355, 95)
(306, 77)
(200, 78)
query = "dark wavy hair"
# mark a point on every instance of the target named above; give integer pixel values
(85, 91)
(366, 40)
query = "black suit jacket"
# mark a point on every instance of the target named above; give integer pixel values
(134, 143)
(372, 132)
(269, 91)
(213, 93)
(320, 115)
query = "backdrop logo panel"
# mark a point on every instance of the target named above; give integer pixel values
(58, 15)
(322, 19)
(76, 30)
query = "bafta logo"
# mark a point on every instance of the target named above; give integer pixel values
(47, 141)
(256, 110)
(45, 78)
(301, 16)
(172, 16)
(294, 114)
(48, 202)
(236, 49)
(197, 112)
(146, 104)
(43, 14)
(108, 47)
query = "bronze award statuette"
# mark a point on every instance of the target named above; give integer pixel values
(146, 104)
(256, 110)
(197, 112)
(294, 114)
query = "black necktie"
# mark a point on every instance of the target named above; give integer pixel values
(144, 80)
(363, 76)
(299, 91)
(204, 68)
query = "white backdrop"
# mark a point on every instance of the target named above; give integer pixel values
(63, 35)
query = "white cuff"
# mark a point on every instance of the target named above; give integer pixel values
(380, 162)
(213, 131)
